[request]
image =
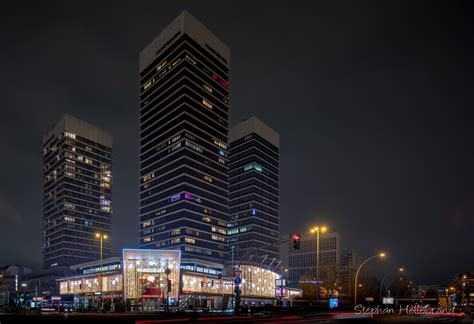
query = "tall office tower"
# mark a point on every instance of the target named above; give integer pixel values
(184, 92)
(77, 193)
(254, 191)
(302, 264)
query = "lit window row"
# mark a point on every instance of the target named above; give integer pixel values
(197, 250)
(69, 206)
(219, 230)
(193, 146)
(220, 143)
(148, 176)
(253, 166)
(208, 88)
(207, 103)
(175, 231)
(69, 219)
(218, 238)
(207, 178)
(189, 240)
(70, 135)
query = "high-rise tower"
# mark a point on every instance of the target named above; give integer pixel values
(254, 190)
(77, 193)
(184, 100)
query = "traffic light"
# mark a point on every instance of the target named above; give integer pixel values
(296, 241)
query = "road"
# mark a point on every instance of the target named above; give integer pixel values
(141, 318)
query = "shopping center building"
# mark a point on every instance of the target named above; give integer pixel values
(147, 280)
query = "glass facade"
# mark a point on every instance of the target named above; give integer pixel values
(77, 192)
(144, 273)
(184, 100)
(253, 192)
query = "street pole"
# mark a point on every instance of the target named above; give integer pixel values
(358, 270)
(101, 237)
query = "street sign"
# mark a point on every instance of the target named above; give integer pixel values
(237, 281)
(388, 300)
(369, 298)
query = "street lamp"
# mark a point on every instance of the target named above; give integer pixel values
(317, 230)
(102, 237)
(379, 255)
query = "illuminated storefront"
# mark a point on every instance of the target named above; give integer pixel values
(90, 284)
(144, 273)
(257, 282)
(200, 284)
(140, 278)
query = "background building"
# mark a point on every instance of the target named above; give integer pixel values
(77, 192)
(184, 90)
(254, 190)
(302, 263)
(350, 261)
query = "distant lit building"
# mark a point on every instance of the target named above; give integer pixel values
(349, 263)
(77, 192)
(254, 191)
(184, 102)
(302, 262)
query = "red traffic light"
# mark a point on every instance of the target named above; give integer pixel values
(296, 241)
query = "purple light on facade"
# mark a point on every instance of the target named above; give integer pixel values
(188, 196)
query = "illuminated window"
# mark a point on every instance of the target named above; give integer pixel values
(233, 231)
(148, 223)
(69, 206)
(207, 178)
(218, 238)
(175, 231)
(70, 135)
(149, 176)
(159, 67)
(176, 62)
(220, 143)
(193, 146)
(189, 240)
(106, 209)
(207, 103)
(175, 147)
(208, 88)
(175, 241)
(69, 219)
(88, 161)
(69, 174)
(207, 219)
(253, 166)
(221, 160)
(189, 58)
(149, 84)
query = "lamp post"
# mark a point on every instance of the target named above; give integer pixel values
(102, 237)
(400, 270)
(317, 230)
(168, 289)
(381, 255)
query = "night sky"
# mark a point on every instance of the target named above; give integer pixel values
(373, 102)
